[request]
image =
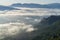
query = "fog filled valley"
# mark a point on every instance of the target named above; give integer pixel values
(30, 24)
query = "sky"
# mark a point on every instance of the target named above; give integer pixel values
(9, 2)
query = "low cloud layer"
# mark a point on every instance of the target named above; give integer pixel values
(13, 29)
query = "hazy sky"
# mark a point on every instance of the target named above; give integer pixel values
(8, 2)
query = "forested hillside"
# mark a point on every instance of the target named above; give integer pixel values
(51, 32)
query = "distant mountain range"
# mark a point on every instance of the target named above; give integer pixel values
(32, 5)
(3, 8)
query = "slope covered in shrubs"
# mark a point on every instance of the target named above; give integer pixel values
(51, 32)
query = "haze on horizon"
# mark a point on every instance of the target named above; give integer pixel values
(9, 2)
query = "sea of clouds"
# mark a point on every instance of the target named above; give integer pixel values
(20, 22)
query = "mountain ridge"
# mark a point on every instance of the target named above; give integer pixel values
(51, 32)
(3, 8)
(33, 5)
